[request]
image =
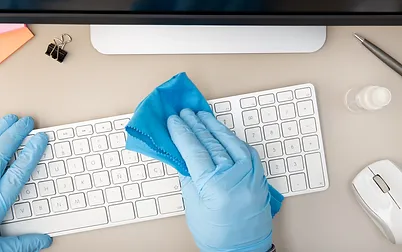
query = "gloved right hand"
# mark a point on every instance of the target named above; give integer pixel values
(12, 133)
(227, 196)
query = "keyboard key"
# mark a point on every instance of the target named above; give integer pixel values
(117, 140)
(75, 165)
(81, 146)
(65, 185)
(59, 204)
(274, 149)
(146, 208)
(101, 179)
(9, 215)
(103, 127)
(227, 120)
(269, 115)
(57, 223)
(29, 192)
(46, 188)
(85, 130)
(308, 126)
(57, 168)
(155, 170)
(292, 146)
(222, 107)
(289, 129)
(40, 172)
(170, 170)
(41, 207)
(99, 143)
(131, 191)
(277, 166)
(266, 99)
(113, 194)
(65, 134)
(284, 96)
(171, 204)
(122, 212)
(26, 140)
(129, 157)
(280, 184)
(22, 210)
(145, 158)
(111, 159)
(310, 143)
(250, 117)
(83, 182)
(62, 149)
(93, 162)
(253, 135)
(298, 182)
(248, 102)
(305, 108)
(315, 170)
(95, 198)
(303, 93)
(260, 149)
(287, 111)
(120, 124)
(77, 201)
(295, 164)
(119, 176)
(48, 154)
(271, 132)
(51, 136)
(162, 186)
(137, 172)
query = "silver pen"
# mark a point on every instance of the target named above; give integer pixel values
(383, 56)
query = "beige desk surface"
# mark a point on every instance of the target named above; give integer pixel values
(90, 85)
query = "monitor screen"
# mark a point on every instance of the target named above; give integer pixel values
(203, 6)
(67, 10)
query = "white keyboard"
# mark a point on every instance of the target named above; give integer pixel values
(86, 180)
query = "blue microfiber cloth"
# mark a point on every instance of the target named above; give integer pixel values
(147, 129)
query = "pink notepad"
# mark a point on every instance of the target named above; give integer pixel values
(10, 27)
(12, 41)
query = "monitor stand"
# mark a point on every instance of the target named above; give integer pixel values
(172, 39)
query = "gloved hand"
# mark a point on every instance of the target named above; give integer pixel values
(12, 132)
(226, 197)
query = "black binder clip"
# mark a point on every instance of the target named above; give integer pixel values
(56, 49)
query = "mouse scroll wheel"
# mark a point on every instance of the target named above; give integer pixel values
(381, 183)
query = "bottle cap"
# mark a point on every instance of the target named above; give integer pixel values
(380, 97)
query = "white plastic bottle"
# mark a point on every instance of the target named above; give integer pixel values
(369, 98)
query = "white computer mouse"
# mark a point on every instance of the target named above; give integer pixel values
(378, 189)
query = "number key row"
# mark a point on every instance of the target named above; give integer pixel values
(271, 114)
(292, 146)
(274, 131)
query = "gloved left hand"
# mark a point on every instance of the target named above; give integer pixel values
(12, 133)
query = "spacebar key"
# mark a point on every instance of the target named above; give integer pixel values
(52, 225)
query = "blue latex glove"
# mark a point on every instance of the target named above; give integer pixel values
(226, 195)
(169, 99)
(12, 133)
